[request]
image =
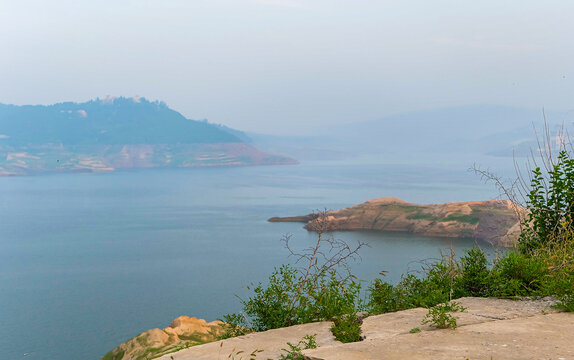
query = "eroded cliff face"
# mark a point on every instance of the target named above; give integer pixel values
(182, 333)
(495, 221)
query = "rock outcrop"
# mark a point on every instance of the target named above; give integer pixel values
(495, 221)
(182, 333)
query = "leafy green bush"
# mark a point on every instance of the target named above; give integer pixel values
(286, 301)
(383, 297)
(323, 289)
(347, 329)
(550, 203)
(548, 230)
(434, 287)
(517, 274)
(410, 292)
(474, 274)
(558, 259)
(271, 307)
(514, 274)
(440, 316)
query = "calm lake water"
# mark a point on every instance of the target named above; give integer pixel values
(88, 261)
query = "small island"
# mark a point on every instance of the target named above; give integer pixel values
(496, 222)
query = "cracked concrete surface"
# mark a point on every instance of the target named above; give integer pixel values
(489, 329)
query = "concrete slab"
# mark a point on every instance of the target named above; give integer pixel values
(535, 337)
(271, 342)
(490, 329)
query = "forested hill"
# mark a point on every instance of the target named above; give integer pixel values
(113, 133)
(110, 121)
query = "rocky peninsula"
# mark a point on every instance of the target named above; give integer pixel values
(496, 222)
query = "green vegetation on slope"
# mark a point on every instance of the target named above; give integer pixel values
(462, 218)
(465, 218)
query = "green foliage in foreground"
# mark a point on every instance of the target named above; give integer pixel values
(550, 204)
(347, 329)
(548, 271)
(440, 316)
(322, 289)
(286, 301)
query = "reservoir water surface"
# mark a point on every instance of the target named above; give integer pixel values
(88, 261)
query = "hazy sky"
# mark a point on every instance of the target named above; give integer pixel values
(290, 65)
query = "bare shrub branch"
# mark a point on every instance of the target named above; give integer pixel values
(328, 254)
(543, 188)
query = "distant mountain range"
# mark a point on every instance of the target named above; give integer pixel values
(487, 129)
(477, 129)
(116, 133)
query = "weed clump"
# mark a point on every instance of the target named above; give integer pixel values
(294, 350)
(440, 316)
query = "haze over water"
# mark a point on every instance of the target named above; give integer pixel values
(90, 260)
